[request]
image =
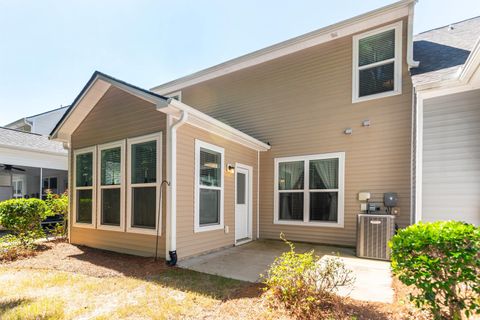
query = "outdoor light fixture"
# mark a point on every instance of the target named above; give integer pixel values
(366, 123)
(230, 168)
(348, 131)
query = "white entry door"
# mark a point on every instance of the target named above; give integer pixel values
(243, 203)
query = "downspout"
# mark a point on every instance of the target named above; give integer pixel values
(171, 230)
(410, 62)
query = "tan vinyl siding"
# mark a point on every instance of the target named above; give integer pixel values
(191, 243)
(119, 115)
(451, 158)
(301, 104)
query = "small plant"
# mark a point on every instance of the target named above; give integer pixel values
(302, 282)
(23, 217)
(442, 261)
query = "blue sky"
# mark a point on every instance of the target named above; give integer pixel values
(49, 49)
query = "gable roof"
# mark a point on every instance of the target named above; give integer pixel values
(443, 51)
(17, 139)
(100, 82)
(344, 28)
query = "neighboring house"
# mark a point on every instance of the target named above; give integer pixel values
(279, 140)
(30, 163)
(447, 86)
(42, 123)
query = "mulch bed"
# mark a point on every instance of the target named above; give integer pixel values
(62, 256)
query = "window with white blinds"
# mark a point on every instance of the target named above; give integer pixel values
(377, 63)
(111, 204)
(209, 174)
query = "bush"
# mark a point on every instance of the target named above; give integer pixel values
(301, 282)
(442, 261)
(12, 247)
(23, 217)
(57, 204)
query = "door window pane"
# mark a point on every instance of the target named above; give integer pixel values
(110, 166)
(84, 167)
(209, 206)
(144, 207)
(291, 206)
(84, 206)
(210, 168)
(144, 162)
(290, 175)
(323, 206)
(324, 174)
(111, 207)
(241, 184)
(53, 183)
(377, 79)
(376, 48)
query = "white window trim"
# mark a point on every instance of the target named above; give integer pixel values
(77, 152)
(175, 94)
(16, 178)
(306, 191)
(101, 147)
(158, 138)
(397, 84)
(198, 145)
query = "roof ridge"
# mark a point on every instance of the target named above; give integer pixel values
(21, 131)
(453, 23)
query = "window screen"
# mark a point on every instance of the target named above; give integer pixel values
(110, 166)
(84, 170)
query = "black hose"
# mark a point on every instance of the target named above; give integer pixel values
(160, 206)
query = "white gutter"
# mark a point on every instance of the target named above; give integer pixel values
(411, 63)
(171, 219)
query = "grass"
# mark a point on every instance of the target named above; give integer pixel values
(177, 293)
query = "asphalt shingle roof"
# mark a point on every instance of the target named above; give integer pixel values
(443, 51)
(32, 141)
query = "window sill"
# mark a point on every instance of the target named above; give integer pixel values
(310, 224)
(111, 228)
(83, 225)
(144, 231)
(376, 96)
(199, 229)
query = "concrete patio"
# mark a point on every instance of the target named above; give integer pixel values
(247, 262)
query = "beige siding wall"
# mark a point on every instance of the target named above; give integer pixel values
(301, 103)
(451, 158)
(117, 116)
(191, 243)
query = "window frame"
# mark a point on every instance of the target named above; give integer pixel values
(199, 144)
(306, 190)
(121, 186)
(157, 136)
(93, 187)
(397, 60)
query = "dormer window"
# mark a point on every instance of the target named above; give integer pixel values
(377, 58)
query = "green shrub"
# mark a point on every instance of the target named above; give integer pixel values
(23, 217)
(57, 204)
(301, 282)
(442, 261)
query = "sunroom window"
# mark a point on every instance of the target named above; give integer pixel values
(144, 181)
(309, 190)
(377, 63)
(84, 194)
(111, 201)
(209, 187)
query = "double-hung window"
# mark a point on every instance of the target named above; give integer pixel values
(309, 190)
(144, 178)
(377, 63)
(111, 204)
(209, 186)
(84, 192)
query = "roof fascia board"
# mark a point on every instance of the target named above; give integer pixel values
(205, 122)
(344, 28)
